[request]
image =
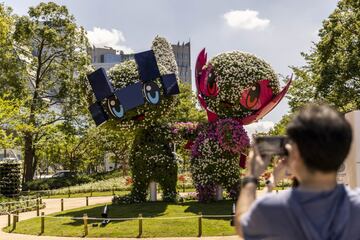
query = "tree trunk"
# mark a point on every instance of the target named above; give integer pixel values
(35, 163)
(29, 153)
(28, 158)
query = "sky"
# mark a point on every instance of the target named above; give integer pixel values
(275, 30)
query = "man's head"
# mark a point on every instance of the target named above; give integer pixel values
(322, 138)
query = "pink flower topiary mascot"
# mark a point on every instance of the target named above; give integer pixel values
(235, 89)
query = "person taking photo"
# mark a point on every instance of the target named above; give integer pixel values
(319, 140)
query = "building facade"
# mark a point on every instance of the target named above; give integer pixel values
(183, 59)
(107, 57)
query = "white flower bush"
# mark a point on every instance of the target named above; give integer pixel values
(118, 183)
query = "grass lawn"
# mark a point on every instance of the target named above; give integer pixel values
(5, 199)
(155, 227)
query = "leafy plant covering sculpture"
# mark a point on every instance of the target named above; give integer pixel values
(143, 106)
(235, 89)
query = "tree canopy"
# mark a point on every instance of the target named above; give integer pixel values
(53, 48)
(332, 72)
(11, 67)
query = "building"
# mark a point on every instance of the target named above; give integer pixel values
(107, 57)
(183, 59)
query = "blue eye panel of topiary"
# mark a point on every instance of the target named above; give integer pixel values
(100, 84)
(133, 95)
(170, 85)
(115, 107)
(98, 113)
(151, 92)
(147, 66)
(130, 97)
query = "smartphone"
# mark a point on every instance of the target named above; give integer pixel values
(271, 145)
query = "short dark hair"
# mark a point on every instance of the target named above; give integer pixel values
(323, 137)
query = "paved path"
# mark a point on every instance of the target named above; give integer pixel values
(53, 205)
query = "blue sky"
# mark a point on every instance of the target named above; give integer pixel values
(276, 30)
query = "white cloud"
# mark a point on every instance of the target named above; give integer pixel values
(257, 127)
(247, 20)
(101, 37)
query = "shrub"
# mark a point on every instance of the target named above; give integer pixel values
(55, 183)
(10, 175)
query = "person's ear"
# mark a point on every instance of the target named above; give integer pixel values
(288, 147)
(291, 151)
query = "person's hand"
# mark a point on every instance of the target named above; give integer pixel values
(256, 164)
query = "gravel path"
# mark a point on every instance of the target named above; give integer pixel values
(53, 205)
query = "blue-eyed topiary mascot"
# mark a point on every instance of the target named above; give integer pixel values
(142, 95)
(235, 89)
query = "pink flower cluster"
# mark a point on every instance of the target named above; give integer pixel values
(195, 147)
(229, 133)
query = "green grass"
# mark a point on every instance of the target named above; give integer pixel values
(155, 227)
(5, 199)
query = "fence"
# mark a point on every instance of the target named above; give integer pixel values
(85, 219)
(39, 205)
(69, 191)
(23, 205)
(15, 212)
(72, 190)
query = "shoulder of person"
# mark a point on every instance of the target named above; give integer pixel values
(273, 199)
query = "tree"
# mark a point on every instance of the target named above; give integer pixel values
(337, 62)
(84, 150)
(185, 110)
(118, 144)
(280, 127)
(79, 151)
(54, 50)
(5, 24)
(10, 122)
(332, 73)
(303, 89)
(11, 67)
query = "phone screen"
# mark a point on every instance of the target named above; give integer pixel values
(269, 146)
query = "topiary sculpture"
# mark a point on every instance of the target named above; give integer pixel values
(235, 89)
(143, 106)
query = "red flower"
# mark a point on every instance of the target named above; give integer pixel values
(189, 144)
(129, 181)
(181, 178)
(266, 175)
